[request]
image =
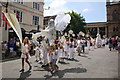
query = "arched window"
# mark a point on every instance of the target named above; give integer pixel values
(115, 15)
(113, 29)
(117, 29)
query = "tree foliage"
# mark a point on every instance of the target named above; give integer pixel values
(77, 23)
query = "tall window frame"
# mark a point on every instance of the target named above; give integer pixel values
(19, 1)
(19, 15)
(35, 20)
(36, 6)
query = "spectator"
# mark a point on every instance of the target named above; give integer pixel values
(110, 44)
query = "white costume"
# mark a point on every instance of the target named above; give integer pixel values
(61, 53)
(66, 48)
(24, 51)
(79, 46)
(103, 42)
(37, 52)
(88, 44)
(71, 50)
(44, 52)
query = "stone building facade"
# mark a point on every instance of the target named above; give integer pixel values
(31, 16)
(113, 18)
(97, 27)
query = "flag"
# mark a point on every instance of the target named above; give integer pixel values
(14, 24)
(4, 21)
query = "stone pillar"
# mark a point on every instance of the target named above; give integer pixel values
(98, 31)
(106, 30)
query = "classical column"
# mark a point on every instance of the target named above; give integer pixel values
(98, 31)
(106, 31)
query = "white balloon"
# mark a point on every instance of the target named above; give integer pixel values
(59, 18)
(61, 21)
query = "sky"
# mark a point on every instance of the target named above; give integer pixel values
(91, 10)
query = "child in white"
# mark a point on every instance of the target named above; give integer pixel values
(66, 47)
(37, 53)
(61, 53)
(71, 49)
(88, 44)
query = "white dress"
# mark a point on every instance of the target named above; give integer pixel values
(61, 53)
(71, 50)
(44, 52)
(37, 51)
(24, 51)
(66, 47)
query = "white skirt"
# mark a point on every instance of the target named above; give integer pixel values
(24, 56)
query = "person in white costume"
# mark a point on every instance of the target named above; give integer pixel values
(88, 43)
(25, 53)
(37, 53)
(61, 53)
(44, 52)
(66, 47)
(79, 46)
(103, 42)
(71, 49)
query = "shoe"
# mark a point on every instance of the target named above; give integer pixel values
(22, 70)
(30, 68)
(79, 55)
(43, 66)
(36, 60)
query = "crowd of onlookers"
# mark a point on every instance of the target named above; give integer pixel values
(13, 46)
(114, 43)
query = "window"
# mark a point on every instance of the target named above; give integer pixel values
(18, 15)
(36, 5)
(115, 29)
(35, 20)
(115, 16)
(19, 1)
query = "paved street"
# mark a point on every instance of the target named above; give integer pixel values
(100, 63)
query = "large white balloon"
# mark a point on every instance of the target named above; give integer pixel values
(59, 18)
(61, 21)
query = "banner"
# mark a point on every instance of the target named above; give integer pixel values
(14, 24)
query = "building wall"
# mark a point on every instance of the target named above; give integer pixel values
(112, 22)
(27, 12)
(97, 27)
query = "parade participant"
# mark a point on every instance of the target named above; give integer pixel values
(44, 47)
(37, 53)
(66, 47)
(25, 53)
(79, 46)
(50, 58)
(110, 44)
(61, 53)
(88, 44)
(103, 42)
(71, 49)
(55, 57)
(83, 45)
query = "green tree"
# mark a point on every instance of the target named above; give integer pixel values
(77, 23)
